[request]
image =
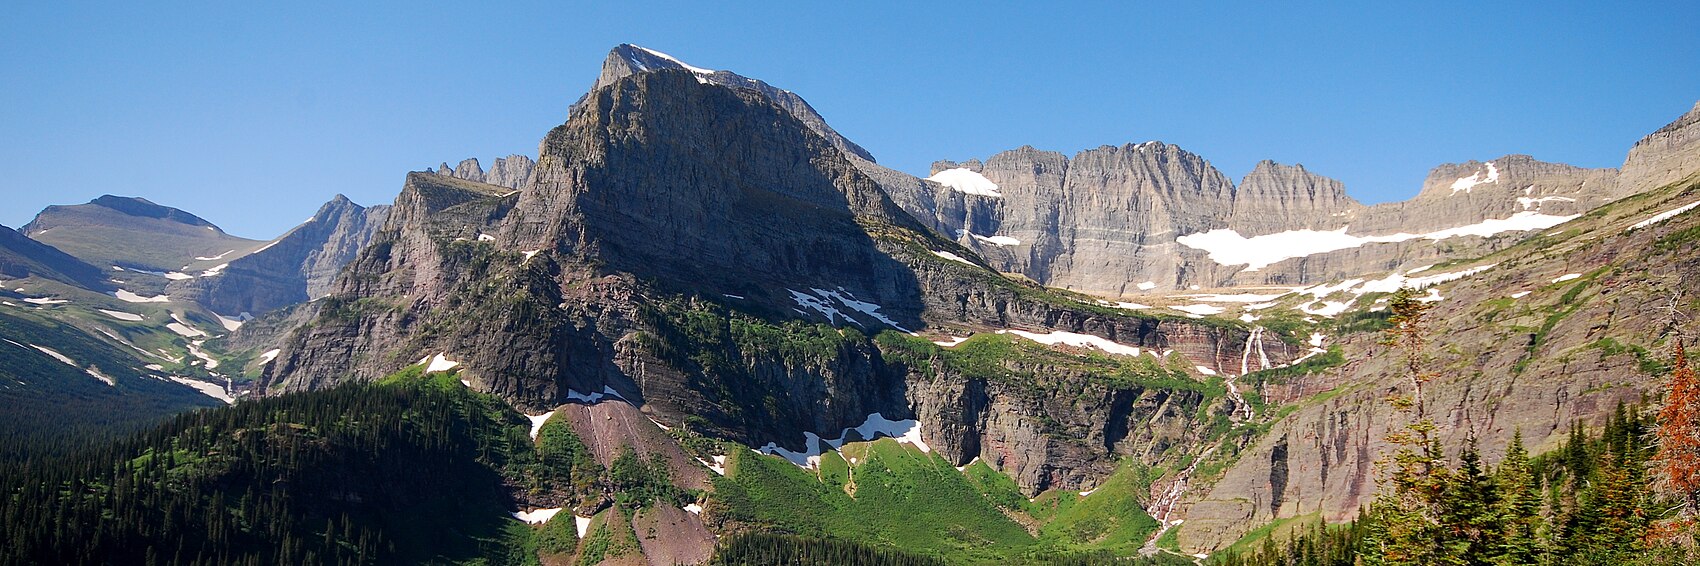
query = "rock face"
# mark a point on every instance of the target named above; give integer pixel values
(1113, 221)
(1560, 331)
(301, 264)
(1668, 155)
(668, 222)
(627, 59)
(511, 171)
(134, 233)
(22, 257)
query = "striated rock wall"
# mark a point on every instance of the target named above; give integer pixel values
(297, 266)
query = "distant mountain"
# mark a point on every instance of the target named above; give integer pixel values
(22, 257)
(1125, 221)
(720, 317)
(290, 269)
(135, 233)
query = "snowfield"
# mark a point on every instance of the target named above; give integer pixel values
(1228, 247)
(965, 181)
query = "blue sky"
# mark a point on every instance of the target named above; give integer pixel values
(253, 116)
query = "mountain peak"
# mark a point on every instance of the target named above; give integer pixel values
(646, 59)
(138, 206)
(625, 60)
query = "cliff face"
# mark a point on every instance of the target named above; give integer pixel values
(1115, 221)
(511, 171)
(1559, 330)
(291, 269)
(1665, 156)
(669, 219)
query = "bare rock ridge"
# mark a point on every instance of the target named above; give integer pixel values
(1122, 220)
(666, 203)
(627, 59)
(296, 266)
(1665, 156)
(511, 171)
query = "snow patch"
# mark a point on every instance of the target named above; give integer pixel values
(129, 297)
(1663, 216)
(1478, 178)
(1205, 370)
(952, 257)
(440, 363)
(676, 61)
(583, 524)
(1228, 247)
(822, 299)
(1077, 340)
(195, 350)
(45, 301)
(528, 254)
(1237, 298)
(966, 181)
(1567, 277)
(1519, 294)
(1328, 309)
(954, 340)
(178, 276)
(232, 323)
(121, 315)
(1528, 203)
(537, 422)
(1147, 286)
(693, 509)
(61, 357)
(1200, 309)
(209, 389)
(997, 240)
(216, 257)
(536, 516)
(486, 238)
(216, 270)
(906, 431)
(269, 355)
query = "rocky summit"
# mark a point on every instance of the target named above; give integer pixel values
(702, 326)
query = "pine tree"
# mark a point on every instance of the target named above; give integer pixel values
(1411, 513)
(1519, 506)
(1679, 436)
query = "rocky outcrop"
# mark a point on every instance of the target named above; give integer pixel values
(1670, 154)
(627, 59)
(291, 269)
(511, 171)
(1276, 198)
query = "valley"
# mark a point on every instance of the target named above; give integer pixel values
(702, 324)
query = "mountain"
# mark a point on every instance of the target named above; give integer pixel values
(705, 325)
(1124, 221)
(290, 269)
(133, 233)
(22, 257)
(698, 250)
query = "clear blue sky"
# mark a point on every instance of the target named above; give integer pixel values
(252, 117)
